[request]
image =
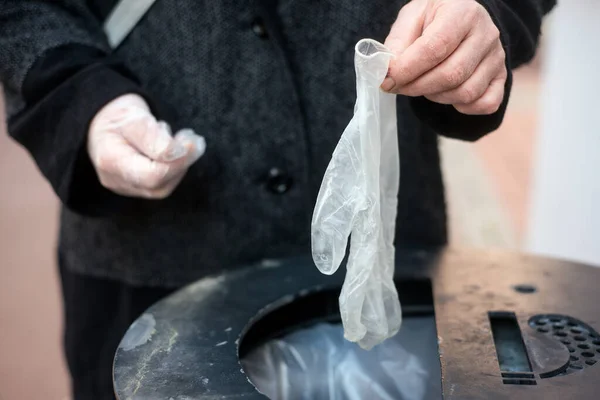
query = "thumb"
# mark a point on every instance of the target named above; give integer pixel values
(407, 28)
(154, 140)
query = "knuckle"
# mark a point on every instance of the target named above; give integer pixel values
(104, 181)
(437, 47)
(473, 12)
(455, 76)
(492, 39)
(152, 183)
(468, 94)
(162, 193)
(494, 32)
(476, 10)
(501, 57)
(155, 181)
(103, 162)
(488, 106)
(147, 194)
(156, 177)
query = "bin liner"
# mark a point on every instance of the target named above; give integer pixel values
(319, 364)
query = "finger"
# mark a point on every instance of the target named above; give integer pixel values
(140, 172)
(123, 189)
(153, 139)
(196, 146)
(456, 69)
(489, 103)
(164, 191)
(116, 160)
(438, 41)
(406, 29)
(474, 87)
(117, 186)
(195, 143)
(157, 189)
(130, 116)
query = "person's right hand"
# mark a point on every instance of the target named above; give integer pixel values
(134, 154)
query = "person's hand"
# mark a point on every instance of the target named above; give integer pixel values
(450, 52)
(134, 154)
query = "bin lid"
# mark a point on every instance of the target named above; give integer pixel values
(509, 326)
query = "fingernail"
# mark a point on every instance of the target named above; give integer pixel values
(176, 151)
(388, 84)
(200, 146)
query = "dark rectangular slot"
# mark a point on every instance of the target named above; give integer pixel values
(519, 382)
(518, 375)
(510, 348)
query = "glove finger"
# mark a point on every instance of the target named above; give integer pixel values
(196, 144)
(142, 173)
(159, 189)
(166, 190)
(153, 139)
(130, 117)
(336, 206)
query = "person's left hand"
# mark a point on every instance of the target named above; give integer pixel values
(450, 52)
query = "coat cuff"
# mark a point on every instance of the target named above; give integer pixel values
(447, 121)
(54, 131)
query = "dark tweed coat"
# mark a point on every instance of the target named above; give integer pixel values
(270, 84)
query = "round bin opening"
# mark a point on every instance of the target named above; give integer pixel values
(295, 349)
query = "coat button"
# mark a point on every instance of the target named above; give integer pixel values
(278, 181)
(259, 29)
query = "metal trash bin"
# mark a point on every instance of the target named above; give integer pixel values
(507, 326)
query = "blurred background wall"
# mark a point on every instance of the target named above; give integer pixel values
(564, 220)
(503, 192)
(31, 364)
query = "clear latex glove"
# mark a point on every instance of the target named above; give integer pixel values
(136, 155)
(359, 196)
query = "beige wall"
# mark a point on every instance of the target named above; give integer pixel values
(31, 365)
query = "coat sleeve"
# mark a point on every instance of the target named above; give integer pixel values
(519, 22)
(57, 71)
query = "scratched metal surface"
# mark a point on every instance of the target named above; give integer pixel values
(186, 346)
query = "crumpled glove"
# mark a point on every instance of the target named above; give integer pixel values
(137, 156)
